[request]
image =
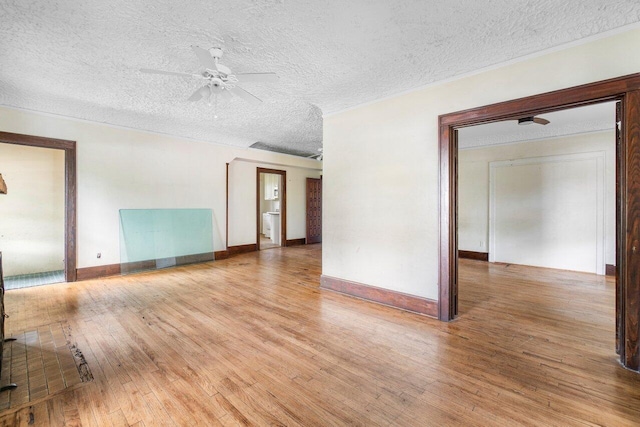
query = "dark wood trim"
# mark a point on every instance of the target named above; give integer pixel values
(625, 89)
(619, 231)
(242, 249)
(415, 304)
(88, 273)
(297, 242)
(283, 204)
(226, 224)
(69, 147)
(478, 256)
(235, 250)
(70, 219)
(629, 266)
(591, 93)
(37, 141)
(610, 270)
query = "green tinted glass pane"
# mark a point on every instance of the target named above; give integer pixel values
(158, 238)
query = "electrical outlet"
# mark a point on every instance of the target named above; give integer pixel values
(99, 255)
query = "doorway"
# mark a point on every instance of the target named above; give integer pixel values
(69, 228)
(271, 208)
(541, 195)
(626, 90)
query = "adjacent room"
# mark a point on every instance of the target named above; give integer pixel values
(376, 213)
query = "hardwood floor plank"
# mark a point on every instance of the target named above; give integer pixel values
(252, 341)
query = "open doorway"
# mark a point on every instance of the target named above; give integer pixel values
(59, 183)
(32, 212)
(541, 195)
(626, 90)
(271, 204)
(537, 202)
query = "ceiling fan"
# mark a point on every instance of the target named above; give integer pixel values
(532, 119)
(316, 156)
(218, 79)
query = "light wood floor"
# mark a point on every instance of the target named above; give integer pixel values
(252, 341)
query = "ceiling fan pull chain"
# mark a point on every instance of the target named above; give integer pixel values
(215, 108)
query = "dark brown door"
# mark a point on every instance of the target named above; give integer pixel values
(314, 210)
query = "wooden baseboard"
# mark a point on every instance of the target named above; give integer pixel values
(242, 249)
(388, 297)
(88, 273)
(297, 242)
(479, 256)
(99, 271)
(610, 270)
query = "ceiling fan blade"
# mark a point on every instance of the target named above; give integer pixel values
(168, 73)
(224, 93)
(205, 58)
(198, 94)
(258, 77)
(241, 93)
(540, 121)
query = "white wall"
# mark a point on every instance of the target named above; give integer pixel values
(381, 163)
(242, 199)
(32, 211)
(127, 169)
(473, 183)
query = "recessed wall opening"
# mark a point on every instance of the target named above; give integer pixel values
(271, 208)
(625, 91)
(46, 235)
(537, 223)
(32, 212)
(541, 195)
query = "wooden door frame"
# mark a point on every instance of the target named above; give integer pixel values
(70, 190)
(283, 204)
(625, 89)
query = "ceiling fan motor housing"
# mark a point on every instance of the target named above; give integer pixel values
(217, 84)
(216, 52)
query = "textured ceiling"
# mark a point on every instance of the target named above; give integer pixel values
(594, 118)
(81, 58)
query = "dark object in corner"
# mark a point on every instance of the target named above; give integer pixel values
(3, 185)
(2, 315)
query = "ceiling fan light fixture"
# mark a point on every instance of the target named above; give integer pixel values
(219, 79)
(533, 119)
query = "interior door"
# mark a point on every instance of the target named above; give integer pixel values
(314, 210)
